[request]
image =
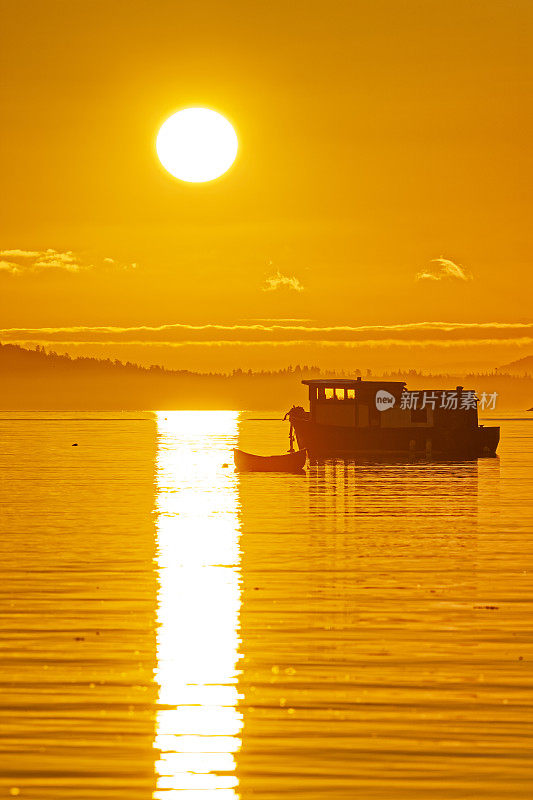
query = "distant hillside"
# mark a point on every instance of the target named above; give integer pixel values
(523, 366)
(35, 379)
(39, 380)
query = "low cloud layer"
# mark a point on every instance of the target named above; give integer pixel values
(522, 341)
(445, 334)
(441, 269)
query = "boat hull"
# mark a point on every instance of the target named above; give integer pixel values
(331, 441)
(289, 462)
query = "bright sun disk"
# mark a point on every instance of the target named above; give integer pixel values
(197, 145)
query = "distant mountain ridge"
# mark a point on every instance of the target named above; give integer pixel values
(522, 366)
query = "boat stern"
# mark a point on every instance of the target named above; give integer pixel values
(488, 440)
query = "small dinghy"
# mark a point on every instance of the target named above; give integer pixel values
(290, 462)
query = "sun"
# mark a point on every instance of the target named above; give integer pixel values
(197, 145)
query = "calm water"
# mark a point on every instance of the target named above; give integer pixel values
(171, 629)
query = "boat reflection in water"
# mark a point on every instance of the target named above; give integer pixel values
(361, 640)
(198, 725)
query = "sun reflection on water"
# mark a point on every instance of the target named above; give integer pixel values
(198, 726)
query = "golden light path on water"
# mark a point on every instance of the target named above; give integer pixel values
(198, 725)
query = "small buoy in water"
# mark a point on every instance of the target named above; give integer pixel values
(225, 466)
(75, 444)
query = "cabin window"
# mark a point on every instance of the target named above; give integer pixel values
(419, 415)
(335, 393)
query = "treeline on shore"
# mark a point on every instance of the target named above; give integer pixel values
(37, 379)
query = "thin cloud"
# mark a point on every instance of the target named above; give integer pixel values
(440, 326)
(278, 281)
(20, 253)
(26, 261)
(20, 262)
(444, 268)
(9, 266)
(522, 341)
(445, 334)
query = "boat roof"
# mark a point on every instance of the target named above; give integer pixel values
(350, 383)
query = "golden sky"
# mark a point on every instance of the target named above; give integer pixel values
(383, 179)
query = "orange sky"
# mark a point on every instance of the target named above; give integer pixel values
(375, 137)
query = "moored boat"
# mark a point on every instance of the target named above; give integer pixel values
(348, 417)
(288, 462)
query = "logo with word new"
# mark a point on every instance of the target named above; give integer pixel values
(384, 400)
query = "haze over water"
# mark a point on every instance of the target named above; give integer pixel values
(171, 628)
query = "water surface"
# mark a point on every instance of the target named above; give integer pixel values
(172, 629)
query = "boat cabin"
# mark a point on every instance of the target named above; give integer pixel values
(360, 403)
